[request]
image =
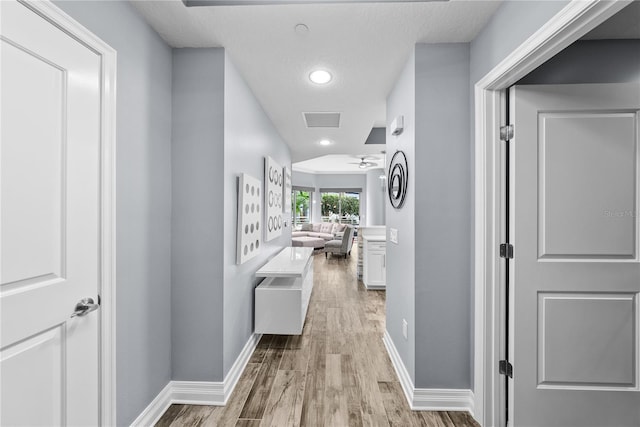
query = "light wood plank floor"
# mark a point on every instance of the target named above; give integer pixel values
(337, 373)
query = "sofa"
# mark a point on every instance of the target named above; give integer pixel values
(323, 230)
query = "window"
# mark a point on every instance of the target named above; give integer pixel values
(300, 213)
(342, 207)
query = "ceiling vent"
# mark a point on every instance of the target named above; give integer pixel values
(322, 120)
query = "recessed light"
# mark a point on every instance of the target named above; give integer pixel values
(320, 77)
(324, 142)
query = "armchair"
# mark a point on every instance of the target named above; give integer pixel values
(340, 246)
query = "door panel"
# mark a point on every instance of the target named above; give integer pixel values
(37, 365)
(50, 222)
(33, 224)
(587, 340)
(576, 151)
(574, 326)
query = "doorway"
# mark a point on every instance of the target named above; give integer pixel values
(576, 20)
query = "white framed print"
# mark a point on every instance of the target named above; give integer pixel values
(273, 178)
(249, 218)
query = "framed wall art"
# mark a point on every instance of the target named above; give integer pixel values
(249, 218)
(286, 191)
(274, 179)
(398, 179)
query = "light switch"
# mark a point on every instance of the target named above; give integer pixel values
(405, 329)
(393, 235)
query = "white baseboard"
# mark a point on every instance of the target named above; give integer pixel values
(398, 365)
(156, 408)
(198, 392)
(436, 399)
(427, 399)
(231, 380)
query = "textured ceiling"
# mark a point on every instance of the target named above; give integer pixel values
(365, 46)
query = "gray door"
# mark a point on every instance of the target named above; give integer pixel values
(574, 323)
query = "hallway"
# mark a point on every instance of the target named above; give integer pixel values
(337, 373)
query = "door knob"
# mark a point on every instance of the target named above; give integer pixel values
(84, 307)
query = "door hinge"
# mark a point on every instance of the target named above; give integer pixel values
(506, 250)
(506, 133)
(505, 368)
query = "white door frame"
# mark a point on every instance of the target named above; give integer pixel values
(571, 23)
(107, 288)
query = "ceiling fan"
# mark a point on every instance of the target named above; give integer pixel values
(363, 164)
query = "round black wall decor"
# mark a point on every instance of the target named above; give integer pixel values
(397, 179)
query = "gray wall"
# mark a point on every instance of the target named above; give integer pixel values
(442, 206)
(510, 26)
(591, 61)
(143, 200)
(341, 180)
(303, 179)
(219, 132)
(249, 136)
(198, 212)
(425, 284)
(376, 198)
(400, 292)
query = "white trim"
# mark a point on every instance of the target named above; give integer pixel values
(437, 399)
(427, 399)
(198, 392)
(158, 406)
(231, 380)
(398, 365)
(107, 54)
(568, 25)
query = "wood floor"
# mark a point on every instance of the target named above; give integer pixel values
(337, 373)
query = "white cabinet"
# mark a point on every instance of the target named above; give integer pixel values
(371, 231)
(282, 299)
(374, 263)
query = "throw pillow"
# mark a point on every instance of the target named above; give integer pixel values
(339, 228)
(306, 227)
(326, 227)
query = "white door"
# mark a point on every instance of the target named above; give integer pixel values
(576, 270)
(50, 234)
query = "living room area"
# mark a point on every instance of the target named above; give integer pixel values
(338, 209)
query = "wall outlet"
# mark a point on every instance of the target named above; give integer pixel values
(405, 329)
(393, 235)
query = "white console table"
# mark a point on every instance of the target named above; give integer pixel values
(282, 299)
(374, 262)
